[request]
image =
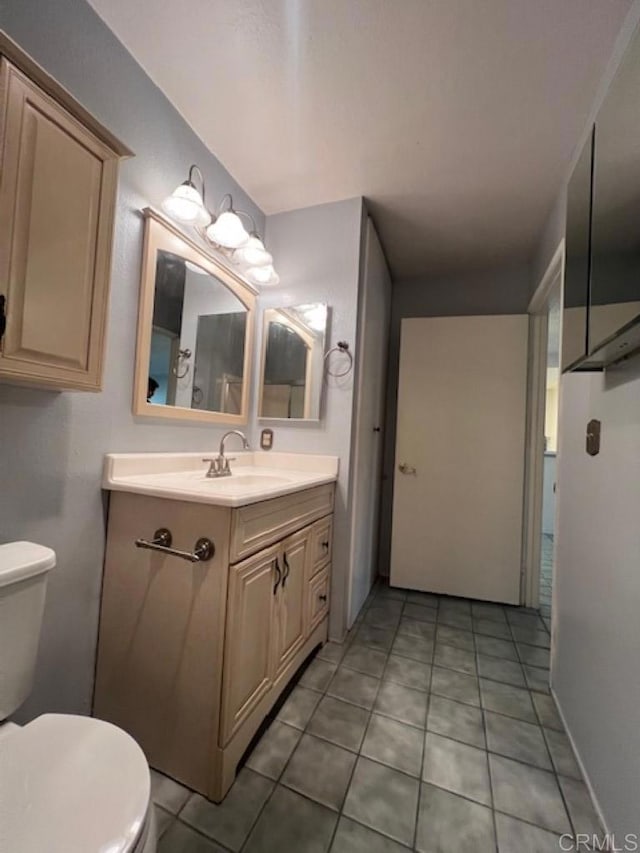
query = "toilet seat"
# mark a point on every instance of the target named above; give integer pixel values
(72, 784)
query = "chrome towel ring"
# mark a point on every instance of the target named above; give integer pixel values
(341, 348)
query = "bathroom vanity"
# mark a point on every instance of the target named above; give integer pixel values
(193, 654)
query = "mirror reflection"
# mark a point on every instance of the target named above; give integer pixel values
(197, 341)
(293, 362)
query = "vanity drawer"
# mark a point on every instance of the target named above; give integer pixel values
(321, 542)
(318, 597)
(258, 525)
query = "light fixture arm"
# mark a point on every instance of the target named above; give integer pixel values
(254, 227)
(228, 197)
(193, 168)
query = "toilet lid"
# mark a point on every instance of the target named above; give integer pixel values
(71, 785)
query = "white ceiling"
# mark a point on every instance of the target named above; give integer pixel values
(455, 118)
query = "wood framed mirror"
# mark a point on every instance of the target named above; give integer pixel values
(292, 366)
(196, 323)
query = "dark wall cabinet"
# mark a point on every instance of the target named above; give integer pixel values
(602, 279)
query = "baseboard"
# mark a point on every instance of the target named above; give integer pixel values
(583, 770)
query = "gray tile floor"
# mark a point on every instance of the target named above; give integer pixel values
(431, 729)
(546, 574)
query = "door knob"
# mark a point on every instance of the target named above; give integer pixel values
(407, 469)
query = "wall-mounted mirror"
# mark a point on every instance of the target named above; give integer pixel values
(195, 332)
(293, 347)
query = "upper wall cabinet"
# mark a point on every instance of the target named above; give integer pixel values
(614, 305)
(195, 332)
(601, 322)
(57, 198)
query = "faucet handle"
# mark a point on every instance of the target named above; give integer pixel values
(214, 465)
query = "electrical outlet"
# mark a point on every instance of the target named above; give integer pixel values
(266, 439)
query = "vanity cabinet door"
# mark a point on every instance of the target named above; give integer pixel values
(57, 201)
(291, 617)
(249, 636)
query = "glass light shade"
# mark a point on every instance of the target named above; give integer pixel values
(253, 253)
(185, 204)
(228, 231)
(263, 275)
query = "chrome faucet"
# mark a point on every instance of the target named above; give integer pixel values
(219, 466)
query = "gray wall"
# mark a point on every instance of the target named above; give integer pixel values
(595, 667)
(51, 445)
(318, 259)
(497, 291)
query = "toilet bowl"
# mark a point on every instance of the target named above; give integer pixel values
(68, 784)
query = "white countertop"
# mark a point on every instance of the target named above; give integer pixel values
(256, 476)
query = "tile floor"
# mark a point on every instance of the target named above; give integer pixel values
(546, 574)
(431, 729)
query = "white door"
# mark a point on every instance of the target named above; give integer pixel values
(371, 358)
(460, 446)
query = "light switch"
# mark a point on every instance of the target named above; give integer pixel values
(593, 437)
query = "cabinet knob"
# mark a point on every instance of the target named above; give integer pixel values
(322, 597)
(325, 544)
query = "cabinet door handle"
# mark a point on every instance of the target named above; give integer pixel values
(278, 575)
(3, 316)
(325, 545)
(322, 597)
(287, 569)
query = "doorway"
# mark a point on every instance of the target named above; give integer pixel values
(545, 330)
(549, 465)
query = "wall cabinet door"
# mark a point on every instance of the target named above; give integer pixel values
(291, 617)
(577, 260)
(56, 219)
(249, 638)
(614, 302)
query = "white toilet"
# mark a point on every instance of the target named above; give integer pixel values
(68, 784)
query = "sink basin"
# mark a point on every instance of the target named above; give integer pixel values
(244, 478)
(255, 476)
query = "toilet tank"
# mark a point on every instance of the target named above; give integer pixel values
(24, 567)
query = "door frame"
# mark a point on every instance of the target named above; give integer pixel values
(536, 402)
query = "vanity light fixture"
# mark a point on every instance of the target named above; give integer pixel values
(227, 229)
(263, 275)
(253, 253)
(224, 230)
(186, 204)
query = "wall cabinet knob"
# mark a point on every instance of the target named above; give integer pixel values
(322, 597)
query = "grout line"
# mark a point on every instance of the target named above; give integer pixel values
(424, 738)
(366, 728)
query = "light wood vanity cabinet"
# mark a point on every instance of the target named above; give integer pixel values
(57, 199)
(192, 657)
